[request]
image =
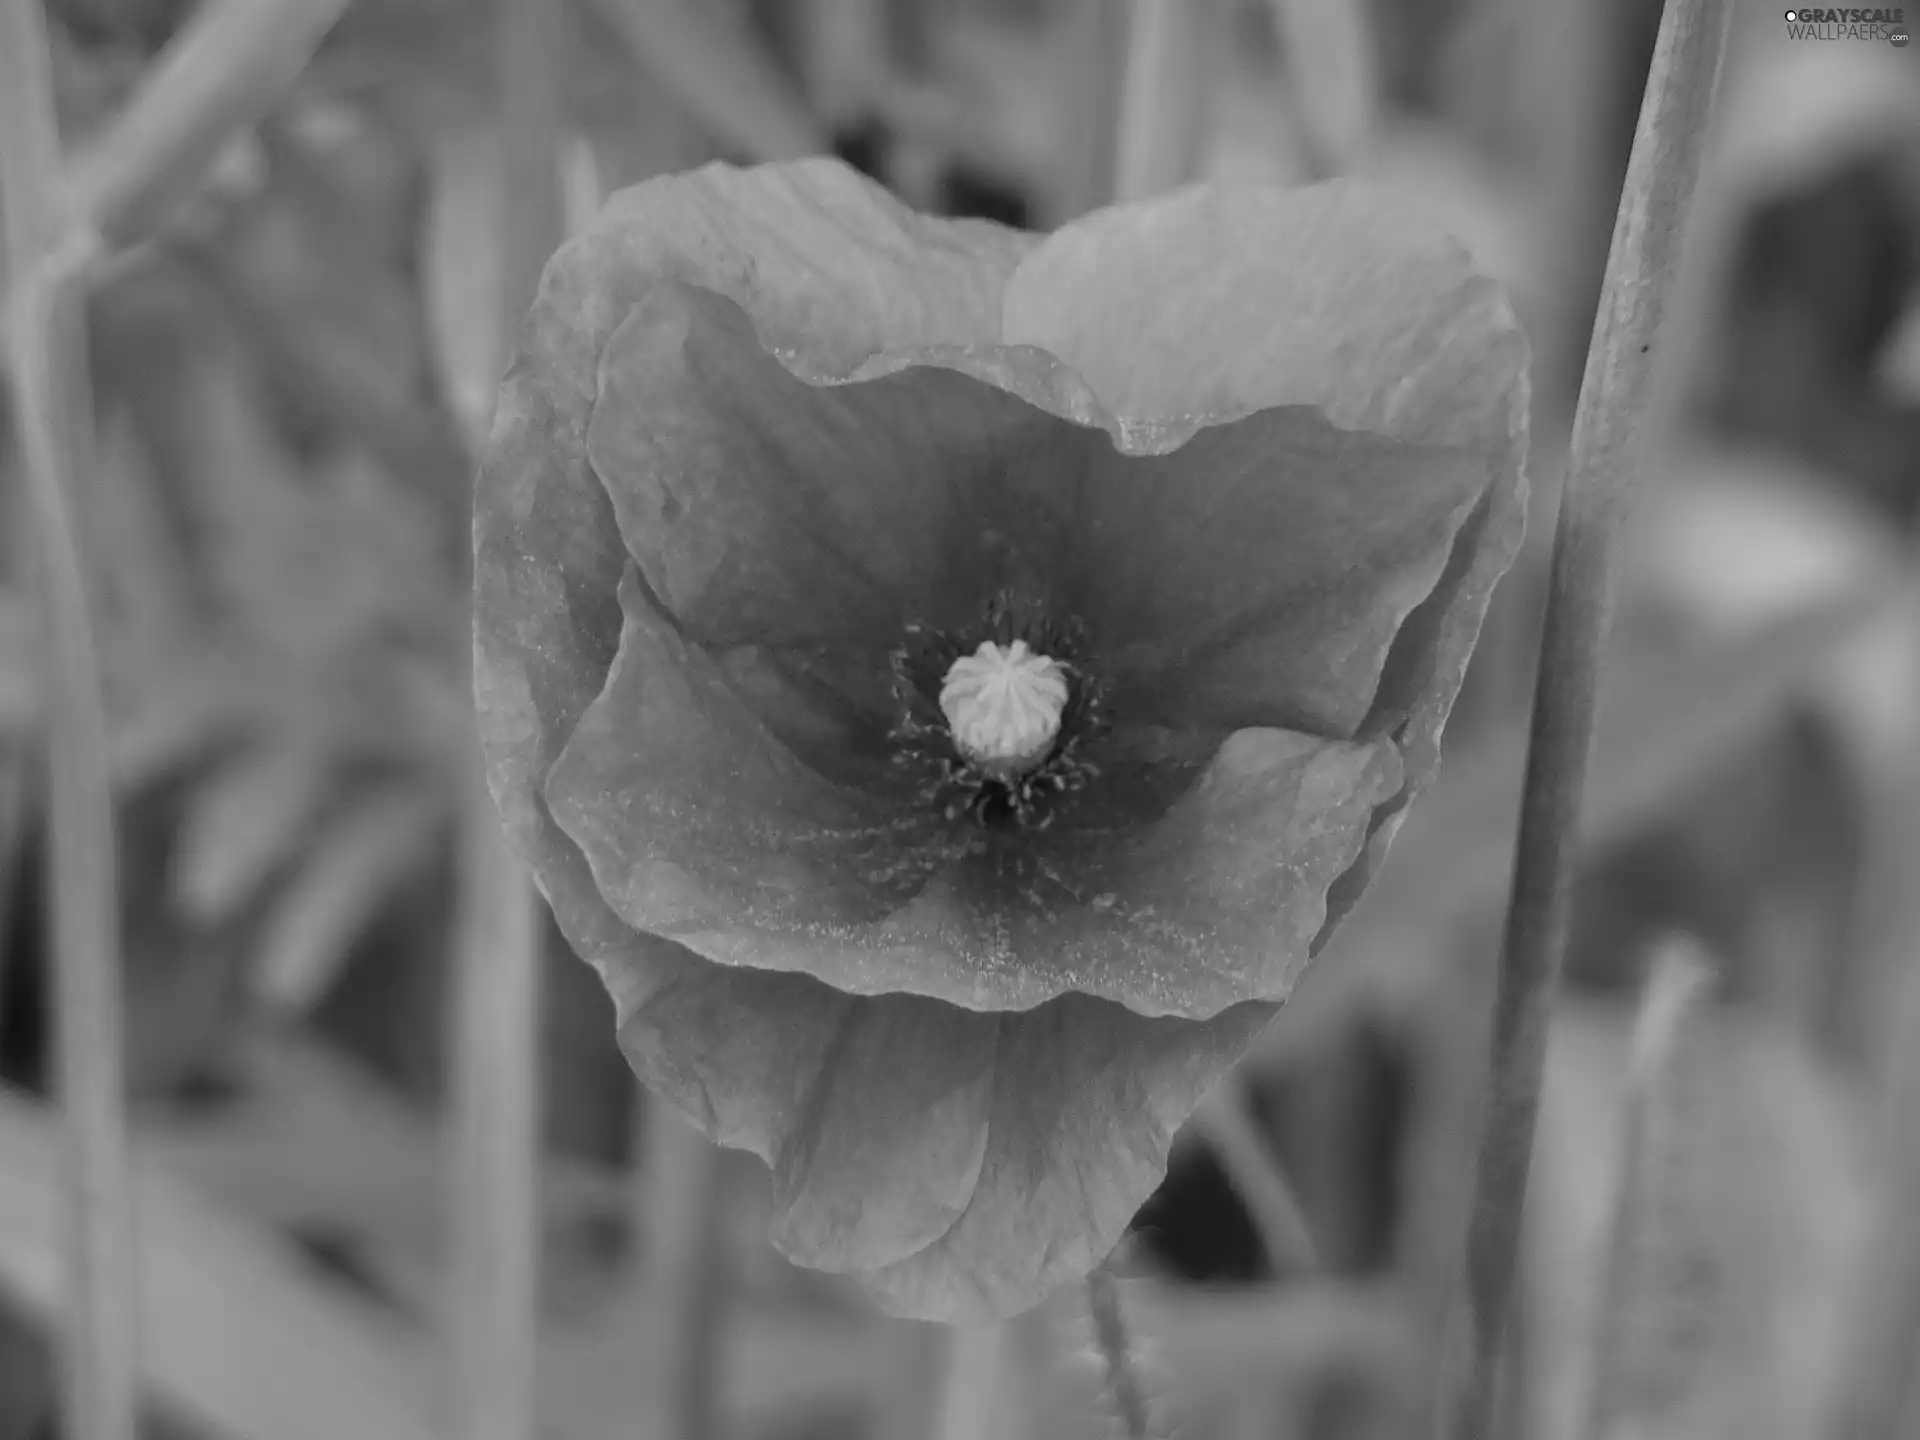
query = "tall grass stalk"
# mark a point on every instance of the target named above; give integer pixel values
(686, 1272)
(971, 1402)
(1157, 137)
(231, 62)
(497, 1101)
(1878, 1392)
(45, 277)
(1332, 82)
(497, 1022)
(1639, 1278)
(1614, 396)
(1264, 1191)
(1876, 1389)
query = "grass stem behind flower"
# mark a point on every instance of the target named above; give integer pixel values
(970, 1396)
(496, 1090)
(231, 62)
(1875, 1391)
(685, 1268)
(43, 281)
(497, 1026)
(1644, 1274)
(1255, 1174)
(1642, 263)
(1328, 51)
(1162, 105)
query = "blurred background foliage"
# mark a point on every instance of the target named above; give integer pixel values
(292, 375)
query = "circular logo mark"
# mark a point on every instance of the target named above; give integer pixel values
(1898, 39)
(1792, 16)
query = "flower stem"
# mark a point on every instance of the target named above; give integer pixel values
(1641, 265)
(1110, 1337)
(973, 1384)
(43, 279)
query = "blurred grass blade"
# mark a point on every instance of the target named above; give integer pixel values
(1094, 38)
(685, 1269)
(86, 920)
(1665, 723)
(530, 218)
(241, 824)
(465, 248)
(1327, 50)
(1206, 1341)
(1878, 1394)
(351, 868)
(1254, 1172)
(498, 1225)
(1642, 264)
(582, 190)
(497, 1097)
(230, 63)
(1162, 102)
(318, 1144)
(972, 1391)
(1113, 1339)
(44, 314)
(1878, 1381)
(241, 1341)
(1645, 1276)
(15, 796)
(716, 69)
(194, 702)
(461, 272)
(19, 690)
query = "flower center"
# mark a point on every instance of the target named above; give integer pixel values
(993, 718)
(1003, 706)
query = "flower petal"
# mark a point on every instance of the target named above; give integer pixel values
(764, 509)
(1227, 299)
(1257, 575)
(959, 1165)
(1223, 299)
(825, 263)
(701, 827)
(694, 816)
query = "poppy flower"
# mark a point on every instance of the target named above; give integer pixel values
(950, 681)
